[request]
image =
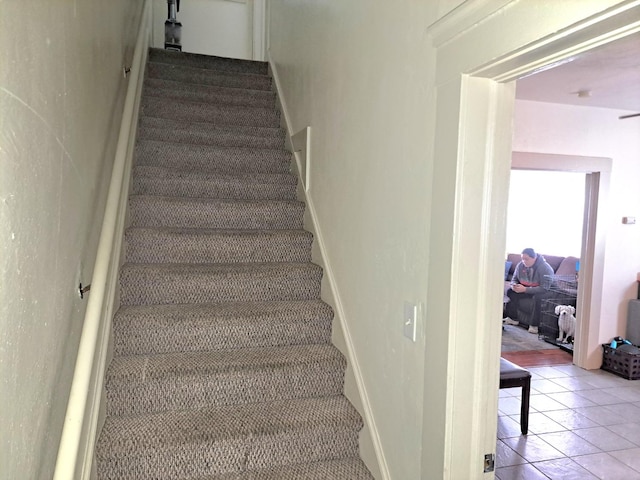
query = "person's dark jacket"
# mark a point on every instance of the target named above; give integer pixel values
(537, 278)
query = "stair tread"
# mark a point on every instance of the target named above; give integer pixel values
(202, 76)
(151, 101)
(213, 113)
(212, 134)
(220, 326)
(214, 201)
(211, 212)
(212, 158)
(166, 366)
(195, 70)
(206, 283)
(217, 268)
(240, 177)
(161, 87)
(287, 310)
(195, 245)
(208, 127)
(193, 234)
(181, 58)
(226, 232)
(351, 468)
(209, 94)
(135, 434)
(227, 149)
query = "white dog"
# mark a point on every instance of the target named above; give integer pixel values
(566, 322)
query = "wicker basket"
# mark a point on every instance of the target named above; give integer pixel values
(622, 363)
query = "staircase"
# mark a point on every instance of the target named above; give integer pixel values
(223, 366)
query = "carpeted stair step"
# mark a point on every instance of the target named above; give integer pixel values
(212, 158)
(158, 55)
(342, 468)
(232, 439)
(147, 284)
(141, 384)
(148, 329)
(211, 113)
(171, 90)
(202, 133)
(153, 211)
(173, 245)
(204, 76)
(149, 180)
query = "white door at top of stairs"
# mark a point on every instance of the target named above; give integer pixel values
(223, 28)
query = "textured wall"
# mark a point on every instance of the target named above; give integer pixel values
(61, 96)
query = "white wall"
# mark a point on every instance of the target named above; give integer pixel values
(61, 95)
(570, 130)
(359, 73)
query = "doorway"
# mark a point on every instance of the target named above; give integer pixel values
(233, 29)
(545, 212)
(596, 171)
(475, 101)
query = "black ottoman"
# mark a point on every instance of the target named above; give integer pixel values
(511, 375)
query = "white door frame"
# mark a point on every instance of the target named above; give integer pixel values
(472, 157)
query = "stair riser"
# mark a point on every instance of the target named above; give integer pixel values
(157, 212)
(152, 86)
(216, 249)
(343, 468)
(190, 162)
(196, 337)
(223, 139)
(224, 115)
(235, 387)
(199, 188)
(197, 328)
(205, 61)
(178, 73)
(212, 96)
(206, 128)
(149, 287)
(206, 158)
(261, 450)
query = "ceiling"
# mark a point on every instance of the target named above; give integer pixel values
(608, 76)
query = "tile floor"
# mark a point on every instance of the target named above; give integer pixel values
(583, 425)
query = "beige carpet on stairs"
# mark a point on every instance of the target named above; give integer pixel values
(223, 366)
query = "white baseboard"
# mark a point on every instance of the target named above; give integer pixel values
(381, 470)
(81, 424)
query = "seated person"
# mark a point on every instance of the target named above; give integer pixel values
(531, 280)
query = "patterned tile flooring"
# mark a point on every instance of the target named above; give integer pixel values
(583, 425)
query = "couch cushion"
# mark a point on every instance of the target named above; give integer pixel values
(568, 266)
(553, 261)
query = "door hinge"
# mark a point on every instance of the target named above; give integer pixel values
(489, 462)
